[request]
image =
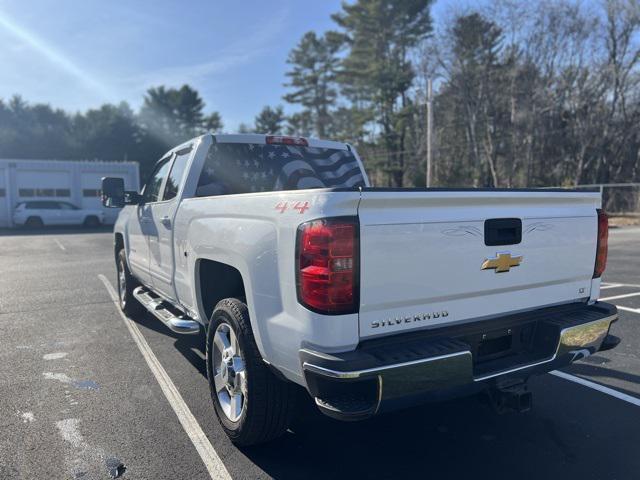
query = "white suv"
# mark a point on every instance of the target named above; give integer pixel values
(39, 213)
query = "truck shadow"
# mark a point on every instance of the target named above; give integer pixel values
(464, 438)
(407, 444)
(192, 347)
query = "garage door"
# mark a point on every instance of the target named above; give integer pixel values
(4, 214)
(47, 184)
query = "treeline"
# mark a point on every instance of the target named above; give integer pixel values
(537, 94)
(525, 94)
(166, 118)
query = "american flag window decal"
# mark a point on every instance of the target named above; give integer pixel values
(248, 167)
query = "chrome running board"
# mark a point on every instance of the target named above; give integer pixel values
(167, 314)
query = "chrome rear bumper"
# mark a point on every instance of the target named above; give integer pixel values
(358, 384)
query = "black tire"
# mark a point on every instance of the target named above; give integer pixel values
(34, 222)
(269, 401)
(92, 221)
(126, 285)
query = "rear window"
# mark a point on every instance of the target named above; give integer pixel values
(232, 168)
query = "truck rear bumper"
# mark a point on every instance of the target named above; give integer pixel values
(404, 370)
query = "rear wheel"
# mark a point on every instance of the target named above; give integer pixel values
(91, 221)
(126, 284)
(34, 222)
(252, 404)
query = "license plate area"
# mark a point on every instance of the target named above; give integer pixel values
(491, 348)
(521, 343)
(498, 344)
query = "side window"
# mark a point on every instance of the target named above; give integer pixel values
(152, 189)
(211, 181)
(43, 205)
(177, 172)
(232, 168)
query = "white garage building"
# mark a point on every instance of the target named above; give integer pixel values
(70, 181)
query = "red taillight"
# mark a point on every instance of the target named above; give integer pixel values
(282, 140)
(603, 243)
(327, 265)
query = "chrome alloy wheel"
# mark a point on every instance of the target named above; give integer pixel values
(230, 376)
(122, 281)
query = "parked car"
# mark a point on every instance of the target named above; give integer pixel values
(371, 299)
(48, 212)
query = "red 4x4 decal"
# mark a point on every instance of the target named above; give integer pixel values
(301, 207)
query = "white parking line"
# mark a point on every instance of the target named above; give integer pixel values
(62, 247)
(616, 297)
(191, 426)
(596, 386)
(627, 309)
(616, 285)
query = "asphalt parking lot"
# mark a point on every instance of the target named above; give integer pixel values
(79, 400)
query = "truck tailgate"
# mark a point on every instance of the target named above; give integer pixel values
(425, 259)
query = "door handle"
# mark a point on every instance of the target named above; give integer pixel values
(166, 221)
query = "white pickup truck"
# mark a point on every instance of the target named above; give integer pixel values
(371, 299)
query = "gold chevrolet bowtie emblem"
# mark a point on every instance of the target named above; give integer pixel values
(502, 263)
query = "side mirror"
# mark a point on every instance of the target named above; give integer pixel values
(113, 192)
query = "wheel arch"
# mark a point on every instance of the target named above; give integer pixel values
(217, 281)
(118, 244)
(214, 281)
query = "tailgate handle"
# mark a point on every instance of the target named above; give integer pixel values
(502, 231)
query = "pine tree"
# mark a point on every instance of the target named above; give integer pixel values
(312, 78)
(376, 74)
(270, 120)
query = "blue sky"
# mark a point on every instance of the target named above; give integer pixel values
(80, 54)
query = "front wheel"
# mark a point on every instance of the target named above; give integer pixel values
(252, 404)
(34, 222)
(126, 284)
